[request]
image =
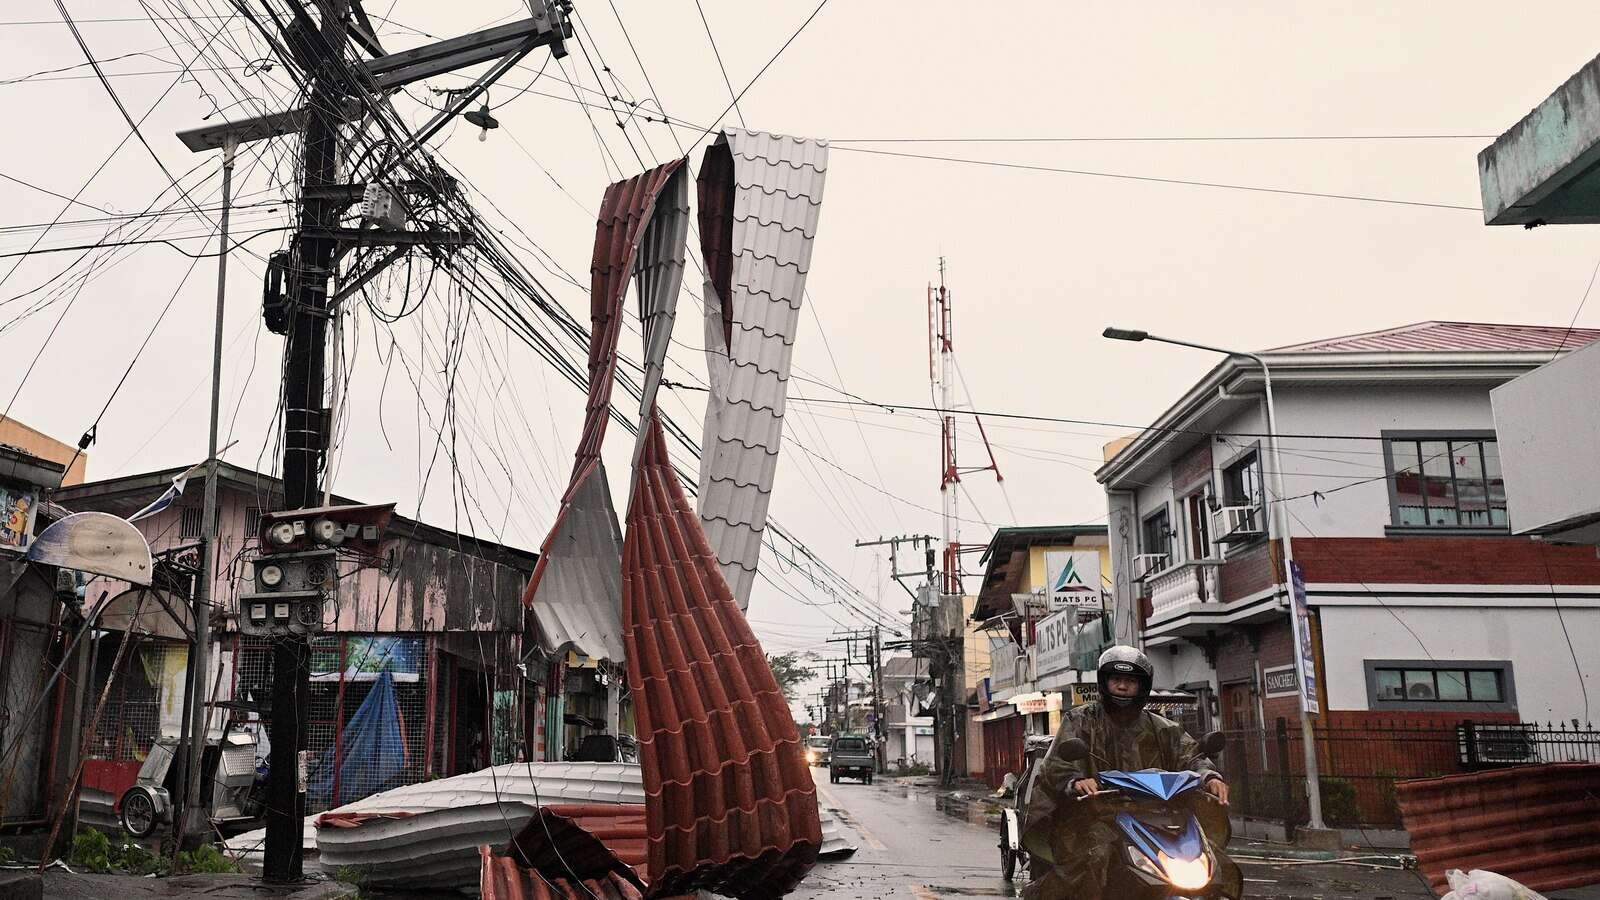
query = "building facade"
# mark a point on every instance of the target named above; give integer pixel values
(1427, 607)
(432, 635)
(1044, 614)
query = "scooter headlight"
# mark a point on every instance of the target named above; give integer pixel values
(1186, 874)
(1144, 864)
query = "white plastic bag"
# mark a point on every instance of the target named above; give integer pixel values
(1481, 885)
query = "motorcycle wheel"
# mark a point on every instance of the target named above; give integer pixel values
(138, 813)
(1008, 862)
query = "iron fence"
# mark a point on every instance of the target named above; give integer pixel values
(1359, 765)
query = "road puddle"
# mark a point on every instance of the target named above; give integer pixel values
(973, 810)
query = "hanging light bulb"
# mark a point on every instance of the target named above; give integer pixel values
(482, 118)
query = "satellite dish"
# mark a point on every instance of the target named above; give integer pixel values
(95, 542)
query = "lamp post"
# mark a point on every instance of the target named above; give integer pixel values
(1280, 518)
(198, 724)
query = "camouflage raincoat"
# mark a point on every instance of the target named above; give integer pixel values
(1069, 846)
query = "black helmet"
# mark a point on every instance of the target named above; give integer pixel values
(1124, 660)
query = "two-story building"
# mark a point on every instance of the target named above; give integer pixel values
(1042, 613)
(1427, 608)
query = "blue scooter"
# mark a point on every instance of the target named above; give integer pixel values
(1163, 852)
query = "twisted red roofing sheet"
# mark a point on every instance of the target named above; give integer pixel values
(729, 799)
(1538, 825)
(582, 553)
(570, 850)
(1447, 336)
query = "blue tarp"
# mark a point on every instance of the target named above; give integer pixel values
(372, 750)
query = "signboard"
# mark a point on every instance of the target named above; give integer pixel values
(18, 508)
(1002, 663)
(1037, 703)
(1052, 643)
(1072, 578)
(1300, 620)
(1280, 681)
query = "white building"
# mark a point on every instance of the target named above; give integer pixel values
(1427, 608)
(908, 734)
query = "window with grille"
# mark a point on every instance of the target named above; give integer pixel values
(189, 526)
(1444, 482)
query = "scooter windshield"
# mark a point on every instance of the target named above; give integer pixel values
(1152, 783)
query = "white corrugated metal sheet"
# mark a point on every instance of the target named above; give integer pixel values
(578, 603)
(777, 184)
(481, 795)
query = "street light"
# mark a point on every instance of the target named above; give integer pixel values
(1280, 516)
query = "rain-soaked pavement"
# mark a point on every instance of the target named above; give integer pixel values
(917, 842)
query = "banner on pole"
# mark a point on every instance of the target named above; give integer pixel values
(1304, 659)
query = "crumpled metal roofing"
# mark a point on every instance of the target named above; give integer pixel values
(1538, 825)
(760, 196)
(1458, 336)
(484, 793)
(573, 592)
(731, 805)
(569, 851)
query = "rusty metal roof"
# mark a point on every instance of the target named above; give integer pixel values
(760, 196)
(1538, 825)
(574, 590)
(730, 803)
(1446, 336)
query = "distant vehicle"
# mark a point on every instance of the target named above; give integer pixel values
(817, 750)
(850, 756)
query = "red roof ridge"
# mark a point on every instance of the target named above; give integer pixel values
(1436, 335)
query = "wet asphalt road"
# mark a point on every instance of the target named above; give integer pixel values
(915, 842)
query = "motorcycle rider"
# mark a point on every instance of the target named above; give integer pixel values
(1070, 847)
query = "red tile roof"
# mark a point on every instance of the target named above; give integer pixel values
(1459, 336)
(730, 801)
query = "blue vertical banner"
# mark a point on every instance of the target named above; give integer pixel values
(1305, 662)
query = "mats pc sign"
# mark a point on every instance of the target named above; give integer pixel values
(1072, 578)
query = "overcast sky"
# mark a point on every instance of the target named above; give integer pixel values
(1039, 261)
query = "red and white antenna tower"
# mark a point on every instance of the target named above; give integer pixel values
(942, 376)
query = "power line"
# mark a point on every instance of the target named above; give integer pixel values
(990, 414)
(167, 241)
(1087, 139)
(737, 97)
(724, 69)
(1156, 180)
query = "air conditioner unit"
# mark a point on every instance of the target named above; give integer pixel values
(1482, 744)
(1238, 524)
(1147, 564)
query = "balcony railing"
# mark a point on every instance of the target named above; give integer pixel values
(1190, 582)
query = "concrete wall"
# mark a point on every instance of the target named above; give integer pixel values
(45, 447)
(1545, 674)
(1548, 422)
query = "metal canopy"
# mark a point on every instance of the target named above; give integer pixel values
(1545, 170)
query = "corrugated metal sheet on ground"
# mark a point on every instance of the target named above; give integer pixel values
(760, 197)
(731, 805)
(437, 849)
(573, 591)
(1445, 336)
(834, 844)
(528, 784)
(1539, 825)
(569, 851)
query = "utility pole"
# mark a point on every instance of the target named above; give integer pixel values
(924, 541)
(302, 312)
(305, 440)
(876, 661)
